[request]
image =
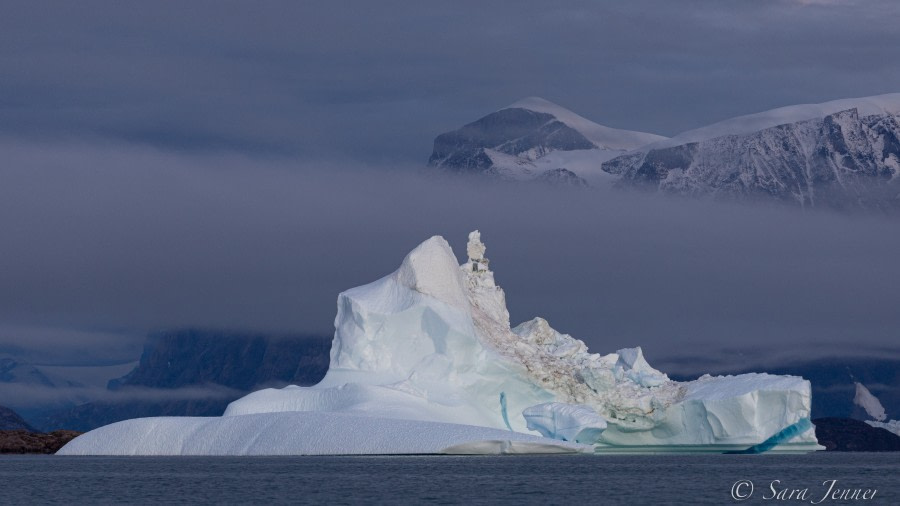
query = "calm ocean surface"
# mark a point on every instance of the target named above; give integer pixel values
(613, 479)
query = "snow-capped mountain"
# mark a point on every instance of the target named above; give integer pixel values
(534, 139)
(842, 154)
(839, 154)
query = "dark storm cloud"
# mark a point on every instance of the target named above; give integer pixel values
(377, 81)
(118, 240)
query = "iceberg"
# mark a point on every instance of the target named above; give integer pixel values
(873, 407)
(425, 360)
(568, 422)
(869, 402)
(309, 433)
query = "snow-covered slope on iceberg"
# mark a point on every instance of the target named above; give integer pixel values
(431, 345)
(294, 433)
(532, 137)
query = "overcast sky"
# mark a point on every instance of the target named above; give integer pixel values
(237, 164)
(377, 81)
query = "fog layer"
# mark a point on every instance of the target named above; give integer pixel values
(102, 243)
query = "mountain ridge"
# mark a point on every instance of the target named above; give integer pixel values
(842, 160)
(843, 154)
(602, 136)
(531, 137)
(197, 372)
(888, 103)
(10, 420)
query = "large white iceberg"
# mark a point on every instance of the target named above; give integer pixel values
(425, 361)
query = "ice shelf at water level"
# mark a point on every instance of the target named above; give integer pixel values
(424, 360)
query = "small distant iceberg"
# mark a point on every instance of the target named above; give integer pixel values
(874, 409)
(869, 403)
(424, 361)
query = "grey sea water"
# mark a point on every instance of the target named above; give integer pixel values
(614, 479)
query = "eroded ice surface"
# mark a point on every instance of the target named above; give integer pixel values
(567, 422)
(430, 348)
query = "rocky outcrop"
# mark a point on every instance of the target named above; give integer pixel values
(24, 441)
(235, 360)
(849, 435)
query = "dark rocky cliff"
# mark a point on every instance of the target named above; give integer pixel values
(848, 435)
(194, 372)
(235, 360)
(10, 420)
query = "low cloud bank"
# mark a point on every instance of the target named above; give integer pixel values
(114, 240)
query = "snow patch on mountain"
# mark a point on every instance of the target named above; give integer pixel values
(533, 137)
(603, 137)
(843, 154)
(888, 104)
(811, 155)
